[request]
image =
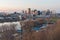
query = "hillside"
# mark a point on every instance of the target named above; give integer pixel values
(52, 32)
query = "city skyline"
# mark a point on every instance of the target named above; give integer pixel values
(17, 5)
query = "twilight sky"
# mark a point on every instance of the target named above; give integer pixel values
(24, 4)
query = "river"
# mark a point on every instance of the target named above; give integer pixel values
(17, 25)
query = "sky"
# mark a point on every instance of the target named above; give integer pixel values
(13, 5)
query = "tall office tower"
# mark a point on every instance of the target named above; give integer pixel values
(29, 10)
(35, 12)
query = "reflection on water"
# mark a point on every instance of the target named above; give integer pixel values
(39, 27)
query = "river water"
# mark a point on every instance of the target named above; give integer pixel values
(17, 25)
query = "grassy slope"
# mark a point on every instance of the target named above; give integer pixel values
(52, 32)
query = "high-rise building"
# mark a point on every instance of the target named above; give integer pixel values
(35, 12)
(48, 12)
(29, 10)
(39, 13)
